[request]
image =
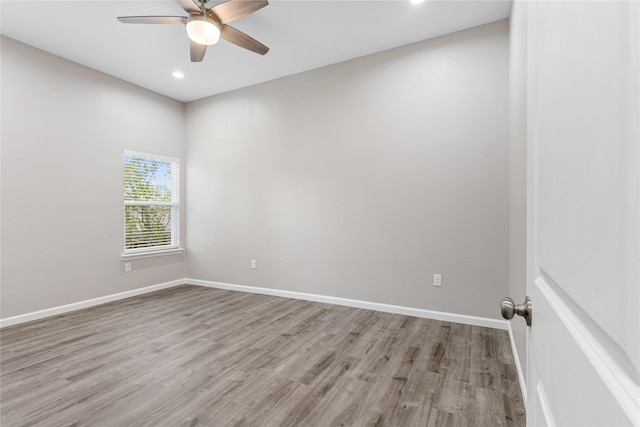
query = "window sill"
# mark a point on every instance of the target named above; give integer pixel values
(151, 254)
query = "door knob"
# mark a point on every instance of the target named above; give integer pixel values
(508, 309)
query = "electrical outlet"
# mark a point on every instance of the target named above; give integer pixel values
(437, 280)
(253, 263)
(127, 267)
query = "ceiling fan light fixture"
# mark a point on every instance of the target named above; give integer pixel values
(203, 30)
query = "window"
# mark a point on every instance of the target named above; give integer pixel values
(151, 204)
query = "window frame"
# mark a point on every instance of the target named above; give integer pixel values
(175, 246)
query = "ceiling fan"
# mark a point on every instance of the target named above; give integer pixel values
(206, 26)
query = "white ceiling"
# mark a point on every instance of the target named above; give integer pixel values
(301, 35)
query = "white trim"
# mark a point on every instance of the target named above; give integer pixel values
(150, 254)
(387, 308)
(624, 389)
(516, 361)
(152, 156)
(22, 318)
(549, 419)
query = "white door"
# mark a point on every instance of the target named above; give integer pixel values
(583, 187)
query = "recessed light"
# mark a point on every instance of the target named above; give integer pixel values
(178, 74)
(416, 1)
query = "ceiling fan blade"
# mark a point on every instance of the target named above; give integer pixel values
(239, 38)
(153, 19)
(189, 6)
(235, 9)
(197, 51)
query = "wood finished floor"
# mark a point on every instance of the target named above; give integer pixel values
(194, 356)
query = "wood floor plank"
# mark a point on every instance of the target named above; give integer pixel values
(195, 356)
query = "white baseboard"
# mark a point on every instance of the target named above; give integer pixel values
(387, 308)
(22, 318)
(516, 360)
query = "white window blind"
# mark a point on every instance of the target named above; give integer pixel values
(151, 203)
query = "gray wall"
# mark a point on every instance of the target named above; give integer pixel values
(518, 167)
(362, 179)
(64, 128)
(358, 180)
